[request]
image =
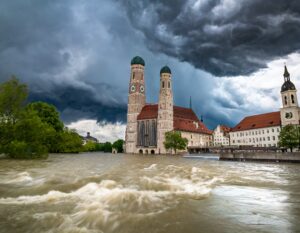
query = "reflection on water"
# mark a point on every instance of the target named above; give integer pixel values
(123, 193)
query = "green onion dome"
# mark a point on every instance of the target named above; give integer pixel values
(165, 69)
(137, 61)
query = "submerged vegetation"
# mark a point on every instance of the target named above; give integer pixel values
(32, 130)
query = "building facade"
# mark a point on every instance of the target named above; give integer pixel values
(263, 130)
(148, 123)
(221, 136)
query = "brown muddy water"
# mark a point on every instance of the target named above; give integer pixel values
(139, 194)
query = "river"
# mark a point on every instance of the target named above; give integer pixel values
(97, 192)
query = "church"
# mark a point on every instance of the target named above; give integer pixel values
(148, 123)
(263, 130)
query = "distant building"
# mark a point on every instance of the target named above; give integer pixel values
(88, 138)
(148, 123)
(263, 130)
(221, 136)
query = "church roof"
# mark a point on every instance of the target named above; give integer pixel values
(258, 121)
(165, 69)
(184, 118)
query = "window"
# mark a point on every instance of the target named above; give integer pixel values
(267, 131)
(133, 75)
(268, 138)
(169, 84)
(273, 130)
(293, 100)
(285, 100)
(273, 138)
(163, 84)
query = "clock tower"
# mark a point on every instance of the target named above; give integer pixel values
(290, 111)
(136, 101)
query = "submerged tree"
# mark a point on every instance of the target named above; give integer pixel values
(174, 141)
(289, 137)
(118, 145)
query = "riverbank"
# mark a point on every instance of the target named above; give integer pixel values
(262, 157)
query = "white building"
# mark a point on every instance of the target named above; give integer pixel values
(263, 130)
(221, 136)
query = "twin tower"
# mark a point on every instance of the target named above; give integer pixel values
(137, 100)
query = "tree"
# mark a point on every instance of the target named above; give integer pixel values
(13, 96)
(289, 137)
(69, 142)
(107, 147)
(48, 114)
(90, 146)
(118, 145)
(174, 141)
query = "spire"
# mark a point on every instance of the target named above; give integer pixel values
(286, 74)
(191, 102)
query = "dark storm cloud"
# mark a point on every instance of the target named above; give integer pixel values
(223, 37)
(64, 50)
(77, 104)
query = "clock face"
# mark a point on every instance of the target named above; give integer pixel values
(288, 115)
(132, 88)
(142, 89)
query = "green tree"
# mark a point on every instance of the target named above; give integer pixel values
(107, 147)
(90, 146)
(69, 142)
(174, 141)
(48, 114)
(289, 137)
(13, 96)
(118, 145)
(29, 137)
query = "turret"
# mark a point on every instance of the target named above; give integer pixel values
(165, 108)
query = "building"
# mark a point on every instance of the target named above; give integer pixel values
(263, 130)
(221, 136)
(88, 138)
(148, 123)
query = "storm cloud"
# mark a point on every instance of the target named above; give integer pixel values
(76, 54)
(222, 37)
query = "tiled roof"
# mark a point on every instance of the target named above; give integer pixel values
(225, 128)
(149, 111)
(258, 121)
(184, 118)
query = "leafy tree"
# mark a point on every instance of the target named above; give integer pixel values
(29, 138)
(174, 141)
(107, 147)
(289, 136)
(90, 146)
(13, 96)
(118, 145)
(69, 142)
(48, 114)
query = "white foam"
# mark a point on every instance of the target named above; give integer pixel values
(151, 167)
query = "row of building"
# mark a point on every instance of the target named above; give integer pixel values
(147, 123)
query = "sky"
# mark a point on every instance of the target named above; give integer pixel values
(228, 55)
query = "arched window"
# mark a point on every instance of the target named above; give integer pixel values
(285, 100)
(133, 75)
(163, 84)
(293, 99)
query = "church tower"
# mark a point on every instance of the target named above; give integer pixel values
(165, 108)
(136, 101)
(289, 112)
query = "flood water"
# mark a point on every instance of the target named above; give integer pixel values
(97, 192)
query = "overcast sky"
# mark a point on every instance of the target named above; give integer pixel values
(227, 54)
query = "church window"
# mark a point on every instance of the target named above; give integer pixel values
(285, 100)
(133, 75)
(163, 84)
(169, 85)
(293, 100)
